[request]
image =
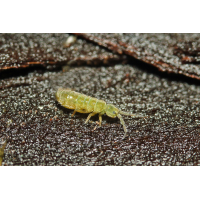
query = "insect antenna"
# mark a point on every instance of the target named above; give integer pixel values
(123, 123)
(130, 114)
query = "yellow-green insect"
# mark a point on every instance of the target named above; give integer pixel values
(86, 104)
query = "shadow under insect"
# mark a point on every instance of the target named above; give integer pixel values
(83, 116)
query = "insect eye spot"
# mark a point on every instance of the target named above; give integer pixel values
(114, 112)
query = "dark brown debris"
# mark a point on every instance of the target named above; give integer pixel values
(173, 53)
(39, 131)
(23, 50)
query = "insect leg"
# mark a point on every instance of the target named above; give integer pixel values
(74, 113)
(100, 119)
(90, 115)
(123, 123)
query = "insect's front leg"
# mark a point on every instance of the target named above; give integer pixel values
(89, 116)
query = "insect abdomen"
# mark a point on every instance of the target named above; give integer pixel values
(79, 102)
(67, 98)
(88, 104)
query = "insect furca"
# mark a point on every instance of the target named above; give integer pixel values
(85, 104)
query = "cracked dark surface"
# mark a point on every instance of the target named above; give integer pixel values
(36, 130)
(41, 132)
(51, 50)
(172, 53)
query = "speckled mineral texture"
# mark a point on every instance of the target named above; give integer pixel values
(173, 53)
(51, 50)
(39, 131)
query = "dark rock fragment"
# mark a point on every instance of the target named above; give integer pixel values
(173, 53)
(51, 50)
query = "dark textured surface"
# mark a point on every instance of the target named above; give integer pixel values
(41, 132)
(173, 53)
(51, 50)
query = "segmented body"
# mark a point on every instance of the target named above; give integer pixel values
(85, 104)
(79, 102)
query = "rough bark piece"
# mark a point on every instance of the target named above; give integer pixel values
(23, 50)
(173, 53)
(41, 132)
(188, 51)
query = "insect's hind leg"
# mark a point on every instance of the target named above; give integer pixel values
(74, 113)
(100, 119)
(89, 116)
